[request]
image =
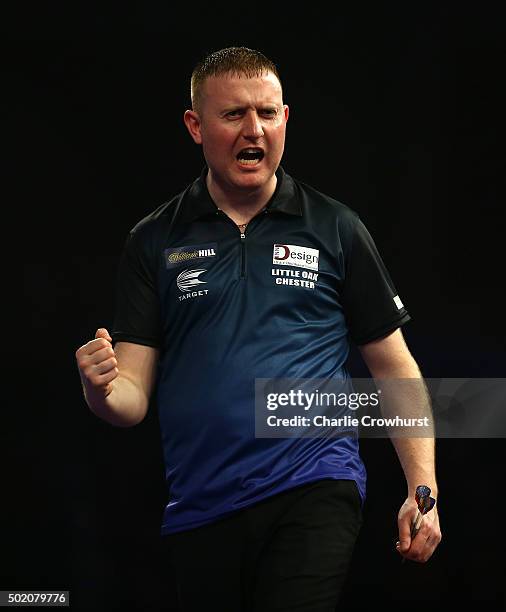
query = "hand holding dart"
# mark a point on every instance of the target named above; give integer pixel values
(425, 503)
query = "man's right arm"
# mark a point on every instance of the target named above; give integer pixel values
(117, 383)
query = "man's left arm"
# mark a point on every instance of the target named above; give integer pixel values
(388, 358)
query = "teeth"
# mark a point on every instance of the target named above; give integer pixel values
(249, 162)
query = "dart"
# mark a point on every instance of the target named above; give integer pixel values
(425, 503)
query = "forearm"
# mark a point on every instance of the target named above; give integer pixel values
(125, 406)
(417, 458)
(404, 394)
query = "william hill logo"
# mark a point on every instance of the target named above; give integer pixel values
(182, 255)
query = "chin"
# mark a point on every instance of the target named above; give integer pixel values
(253, 179)
(251, 182)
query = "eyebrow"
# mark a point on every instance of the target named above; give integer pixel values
(238, 107)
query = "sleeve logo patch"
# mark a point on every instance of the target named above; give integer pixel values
(182, 255)
(398, 302)
(297, 256)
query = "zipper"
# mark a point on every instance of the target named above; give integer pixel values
(243, 240)
(243, 255)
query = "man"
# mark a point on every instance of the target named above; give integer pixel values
(214, 293)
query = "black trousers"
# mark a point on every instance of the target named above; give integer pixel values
(289, 552)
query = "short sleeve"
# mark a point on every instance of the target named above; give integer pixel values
(371, 303)
(137, 309)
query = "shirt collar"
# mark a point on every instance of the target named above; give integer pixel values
(198, 203)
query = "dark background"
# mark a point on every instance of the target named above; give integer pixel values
(397, 112)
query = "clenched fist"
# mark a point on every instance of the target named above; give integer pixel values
(97, 364)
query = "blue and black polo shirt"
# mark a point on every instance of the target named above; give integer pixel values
(281, 300)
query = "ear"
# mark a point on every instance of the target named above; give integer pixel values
(286, 110)
(192, 122)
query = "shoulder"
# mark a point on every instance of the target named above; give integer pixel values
(324, 207)
(157, 224)
(159, 217)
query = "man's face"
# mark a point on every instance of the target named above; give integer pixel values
(241, 126)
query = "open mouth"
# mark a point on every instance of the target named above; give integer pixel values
(251, 156)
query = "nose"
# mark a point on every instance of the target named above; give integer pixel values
(252, 126)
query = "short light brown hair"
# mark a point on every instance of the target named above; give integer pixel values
(237, 61)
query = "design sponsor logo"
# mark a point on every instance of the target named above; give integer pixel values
(297, 256)
(181, 255)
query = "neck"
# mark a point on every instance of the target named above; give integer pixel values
(240, 206)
